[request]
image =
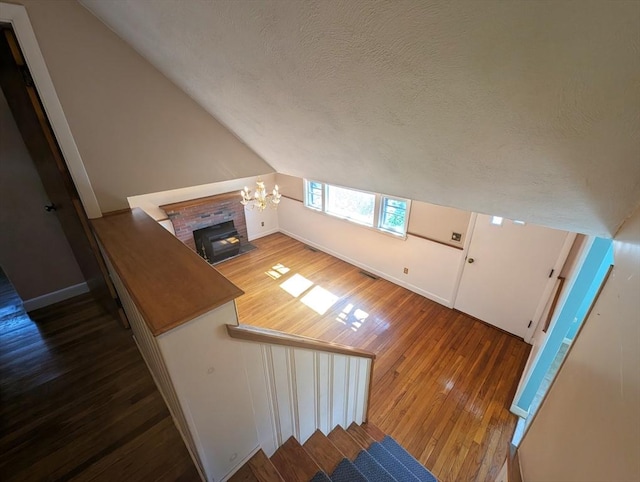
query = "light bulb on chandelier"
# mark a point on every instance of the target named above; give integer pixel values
(260, 198)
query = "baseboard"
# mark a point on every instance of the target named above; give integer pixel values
(55, 297)
(409, 286)
(262, 234)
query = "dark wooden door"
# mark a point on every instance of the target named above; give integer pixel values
(38, 136)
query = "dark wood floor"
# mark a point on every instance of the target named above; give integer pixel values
(443, 381)
(77, 401)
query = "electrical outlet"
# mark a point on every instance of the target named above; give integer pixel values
(456, 236)
(406, 271)
(262, 224)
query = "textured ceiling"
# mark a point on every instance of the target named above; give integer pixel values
(530, 110)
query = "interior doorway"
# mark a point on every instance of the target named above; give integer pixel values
(508, 270)
(35, 129)
(569, 316)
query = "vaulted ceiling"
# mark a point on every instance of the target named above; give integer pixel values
(530, 110)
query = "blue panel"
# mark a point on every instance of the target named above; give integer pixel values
(578, 301)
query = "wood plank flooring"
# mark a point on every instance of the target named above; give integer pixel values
(443, 381)
(77, 400)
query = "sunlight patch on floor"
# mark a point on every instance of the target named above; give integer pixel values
(353, 318)
(319, 300)
(296, 285)
(277, 271)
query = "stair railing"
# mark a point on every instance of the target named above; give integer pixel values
(299, 385)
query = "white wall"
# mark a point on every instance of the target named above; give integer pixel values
(135, 130)
(588, 427)
(433, 267)
(151, 203)
(34, 252)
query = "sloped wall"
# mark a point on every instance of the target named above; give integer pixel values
(588, 428)
(135, 130)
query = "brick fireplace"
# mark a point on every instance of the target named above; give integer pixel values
(188, 216)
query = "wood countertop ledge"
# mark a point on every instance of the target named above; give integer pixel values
(169, 283)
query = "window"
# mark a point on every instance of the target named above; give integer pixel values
(345, 203)
(384, 213)
(313, 198)
(393, 215)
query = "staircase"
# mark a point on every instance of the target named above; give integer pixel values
(358, 454)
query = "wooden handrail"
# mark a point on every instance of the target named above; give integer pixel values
(265, 335)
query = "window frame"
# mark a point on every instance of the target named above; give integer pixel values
(379, 203)
(407, 209)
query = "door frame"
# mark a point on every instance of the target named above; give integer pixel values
(548, 290)
(17, 16)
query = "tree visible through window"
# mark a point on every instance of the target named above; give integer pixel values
(355, 205)
(385, 213)
(393, 215)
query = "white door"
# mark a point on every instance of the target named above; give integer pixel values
(506, 271)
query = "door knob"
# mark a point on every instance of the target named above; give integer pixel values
(470, 260)
(50, 207)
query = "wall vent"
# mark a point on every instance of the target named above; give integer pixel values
(369, 275)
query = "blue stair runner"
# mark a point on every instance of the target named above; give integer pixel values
(391, 464)
(406, 459)
(382, 462)
(320, 477)
(372, 470)
(347, 472)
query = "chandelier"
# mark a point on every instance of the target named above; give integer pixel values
(260, 198)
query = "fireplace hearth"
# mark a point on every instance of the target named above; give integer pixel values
(218, 242)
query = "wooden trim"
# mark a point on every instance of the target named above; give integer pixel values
(291, 198)
(370, 391)
(434, 240)
(201, 200)
(116, 212)
(274, 337)
(554, 303)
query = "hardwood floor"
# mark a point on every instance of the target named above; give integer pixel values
(77, 400)
(443, 381)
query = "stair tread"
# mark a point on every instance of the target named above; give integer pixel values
(371, 469)
(347, 472)
(244, 475)
(360, 435)
(323, 451)
(408, 460)
(294, 463)
(376, 434)
(391, 464)
(263, 469)
(345, 443)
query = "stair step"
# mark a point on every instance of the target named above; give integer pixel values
(371, 469)
(344, 442)
(263, 469)
(347, 472)
(294, 463)
(244, 475)
(360, 435)
(375, 433)
(391, 464)
(408, 460)
(258, 468)
(322, 450)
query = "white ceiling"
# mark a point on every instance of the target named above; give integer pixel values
(530, 110)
